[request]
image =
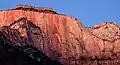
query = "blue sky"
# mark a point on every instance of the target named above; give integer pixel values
(90, 12)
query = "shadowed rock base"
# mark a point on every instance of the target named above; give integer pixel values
(22, 55)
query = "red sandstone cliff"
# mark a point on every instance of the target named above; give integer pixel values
(64, 38)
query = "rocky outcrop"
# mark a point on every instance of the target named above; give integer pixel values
(14, 52)
(34, 8)
(61, 37)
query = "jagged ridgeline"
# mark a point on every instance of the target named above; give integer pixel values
(37, 9)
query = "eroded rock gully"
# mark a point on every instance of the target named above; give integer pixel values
(39, 36)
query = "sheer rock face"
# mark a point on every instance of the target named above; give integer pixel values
(64, 38)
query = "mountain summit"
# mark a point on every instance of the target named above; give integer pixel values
(56, 39)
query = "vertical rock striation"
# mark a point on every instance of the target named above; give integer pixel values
(61, 37)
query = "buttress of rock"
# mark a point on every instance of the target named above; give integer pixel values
(61, 37)
(19, 48)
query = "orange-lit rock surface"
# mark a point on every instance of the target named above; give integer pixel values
(64, 38)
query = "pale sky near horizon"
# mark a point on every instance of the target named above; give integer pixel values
(90, 12)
